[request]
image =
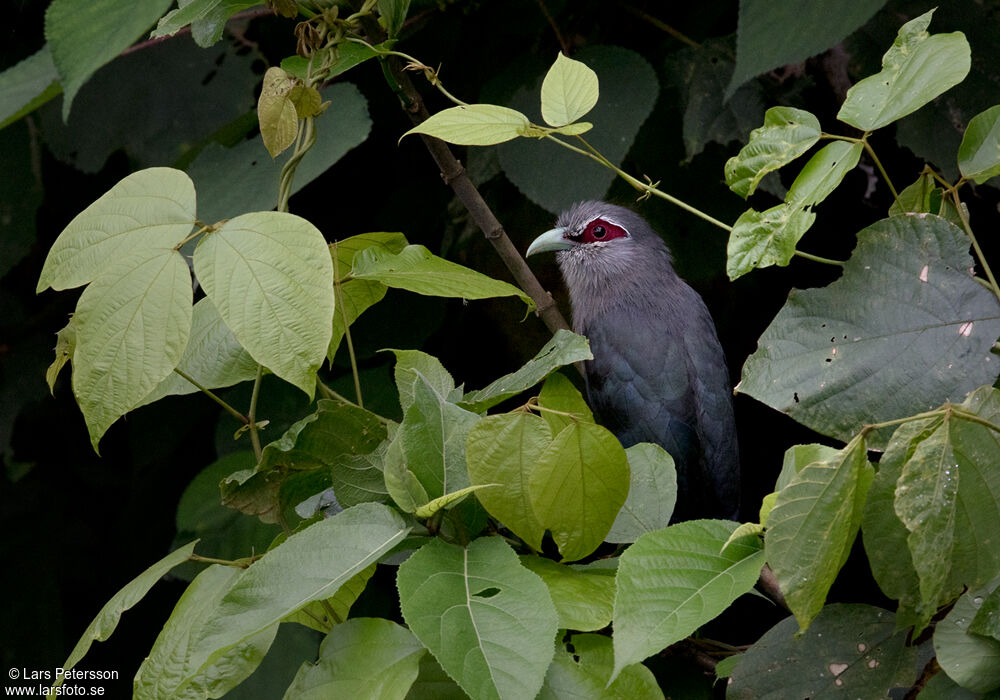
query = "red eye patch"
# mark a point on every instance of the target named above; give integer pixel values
(602, 230)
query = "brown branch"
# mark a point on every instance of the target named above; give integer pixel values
(768, 584)
(456, 177)
(245, 14)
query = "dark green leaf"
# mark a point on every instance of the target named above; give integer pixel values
(584, 597)
(830, 359)
(207, 18)
(806, 30)
(971, 660)
(848, 651)
(651, 496)
(393, 13)
(83, 38)
(27, 86)
(582, 668)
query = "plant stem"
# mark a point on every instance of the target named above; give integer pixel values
(816, 258)
(339, 299)
(660, 24)
(878, 164)
(241, 564)
(964, 217)
(210, 394)
(252, 413)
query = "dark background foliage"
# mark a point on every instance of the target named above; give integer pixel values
(77, 525)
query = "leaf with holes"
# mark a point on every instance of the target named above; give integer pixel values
(474, 125)
(812, 526)
(276, 112)
(270, 277)
(849, 650)
(582, 668)
(762, 239)
(488, 621)
(787, 133)
(577, 487)
(830, 358)
(672, 581)
(569, 90)
(917, 68)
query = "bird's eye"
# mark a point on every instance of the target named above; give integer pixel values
(601, 230)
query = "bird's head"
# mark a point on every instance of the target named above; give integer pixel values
(597, 242)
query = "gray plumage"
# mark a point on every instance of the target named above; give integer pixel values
(658, 373)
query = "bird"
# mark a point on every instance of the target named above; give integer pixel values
(658, 372)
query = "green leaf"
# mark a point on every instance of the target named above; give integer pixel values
(987, 620)
(564, 348)
(432, 436)
(584, 597)
(979, 154)
(701, 74)
(310, 565)
(574, 129)
(418, 270)
(813, 525)
(27, 86)
(489, 622)
(582, 668)
(504, 449)
(849, 650)
(344, 125)
(279, 121)
(941, 687)
(402, 484)
(83, 38)
(360, 659)
(207, 19)
(577, 487)
(629, 88)
(132, 325)
(926, 503)
(569, 91)
(796, 457)
(157, 677)
(346, 56)
(830, 358)
(474, 125)
(393, 14)
(822, 173)
(762, 239)
(414, 366)
(917, 68)
(651, 496)
(149, 209)
(787, 133)
(975, 555)
(270, 277)
(135, 590)
(971, 660)
(315, 615)
(672, 581)
(559, 394)
(433, 683)
(918, 197)
(65, 347)
(449, 500)
(353, 296)
(213, 357)
(817, 29)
